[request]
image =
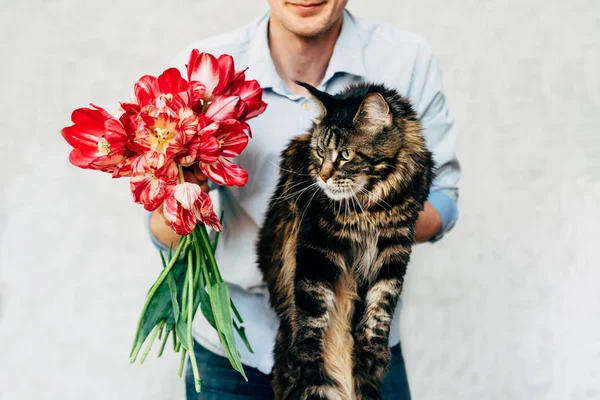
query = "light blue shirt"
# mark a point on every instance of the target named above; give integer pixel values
(364, 51)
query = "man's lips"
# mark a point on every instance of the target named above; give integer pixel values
(306, 6)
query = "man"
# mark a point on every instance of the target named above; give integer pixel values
(318, 42)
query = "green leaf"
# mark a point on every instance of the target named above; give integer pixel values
(217, 233)
(242, 333)
(205, 300)
(220, 302)
(164, 343)
(181, 329)
(158, 309)
(172, 287)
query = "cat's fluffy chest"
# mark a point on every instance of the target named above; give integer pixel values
(363, 257)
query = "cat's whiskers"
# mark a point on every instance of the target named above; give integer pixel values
(364, 213)
(308, 205)
(296, 193)
(290, 171)
(372, 198)
(286, 190)
(309, 187)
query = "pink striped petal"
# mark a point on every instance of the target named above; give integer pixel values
(233, 141)
(146, 90)
(204, 212)
(182, 221)
(225, 172)
(187, 194)
(223, 107)
(148, 190)
(203, 67)
(226, 73)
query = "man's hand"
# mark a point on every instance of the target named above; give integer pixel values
(428, 224)
(159, 226)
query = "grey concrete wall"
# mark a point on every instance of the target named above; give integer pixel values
(506, 307)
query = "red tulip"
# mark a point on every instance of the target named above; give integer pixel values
(166, 133)
(204, 145)
(224, 107)
(232, 141)
(214, 74)
(149, 185)
(250, 93)
(170, 88)
(97, 138)
(186, 205)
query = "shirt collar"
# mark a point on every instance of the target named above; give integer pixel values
(347, 54)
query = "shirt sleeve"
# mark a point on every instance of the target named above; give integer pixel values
(427, 94)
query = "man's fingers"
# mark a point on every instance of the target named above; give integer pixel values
(189, 176)
(204, 186)
(199, 174)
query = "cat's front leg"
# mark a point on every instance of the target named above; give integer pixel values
(314, 300)
(372, 353)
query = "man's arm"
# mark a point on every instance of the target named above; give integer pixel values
(441, 212)
(428, 225)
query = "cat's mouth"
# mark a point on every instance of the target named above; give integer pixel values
(340, 190)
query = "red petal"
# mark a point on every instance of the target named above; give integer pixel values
(196, 91)
(226, 70)
(187, 194)
(208, 148)
(223, 107)
(255, 109)
(188, 122)
(148, 190)
(182, 221)
(225, 172)
(146, 90)
(248, 90)
(171, 82)
(203, 67)
(169, 173)
(204, 212)
(233, 141)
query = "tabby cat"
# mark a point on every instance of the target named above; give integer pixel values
(337, 238)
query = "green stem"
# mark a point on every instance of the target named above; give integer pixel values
(137, 345)
(181, 177)
(155, 331)
(160, 332)
(207, 248)
(164, 343)
(175, 343)
(190, 316)
(181, 362)
(206, 240)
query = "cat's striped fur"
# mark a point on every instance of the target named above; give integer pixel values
(337, 239)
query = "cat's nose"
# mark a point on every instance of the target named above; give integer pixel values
(323, 178)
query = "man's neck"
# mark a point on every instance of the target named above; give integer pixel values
(301, 59)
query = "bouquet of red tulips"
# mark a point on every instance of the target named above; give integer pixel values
(172, 123)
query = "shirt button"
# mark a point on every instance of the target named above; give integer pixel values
(306, 105)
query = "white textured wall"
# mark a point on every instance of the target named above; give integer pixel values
(506, 307)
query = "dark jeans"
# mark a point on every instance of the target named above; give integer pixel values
(221, 382)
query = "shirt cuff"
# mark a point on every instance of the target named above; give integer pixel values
(446, 208)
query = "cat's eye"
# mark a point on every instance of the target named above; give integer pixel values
(320, 152)
(346, 154)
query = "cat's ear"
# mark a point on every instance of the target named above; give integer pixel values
(373, 114)
(322, 100)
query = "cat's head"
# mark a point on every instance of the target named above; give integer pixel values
(357, 138)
